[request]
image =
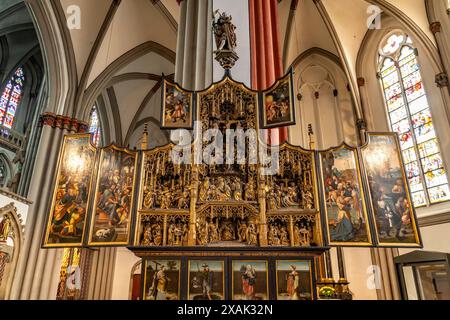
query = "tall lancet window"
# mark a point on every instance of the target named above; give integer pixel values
(94, 126)
(410, 116)
(10, 99)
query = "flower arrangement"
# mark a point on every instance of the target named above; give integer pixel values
(327, 292)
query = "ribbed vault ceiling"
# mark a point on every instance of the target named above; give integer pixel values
(335, 26)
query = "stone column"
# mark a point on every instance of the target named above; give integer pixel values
(194, 62)
(266, 53)
(194, 66)
(388, 287)
(29, 282)
(444, 54)
(101, 273)
(32, 145)
(38, 270)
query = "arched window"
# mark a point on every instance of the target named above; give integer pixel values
(410, 116)
(94, 126)
(11, 97)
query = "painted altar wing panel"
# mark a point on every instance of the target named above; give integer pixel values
(278, 104)
(347, 220)
(114, 198)
(177, 107)
(395, 219)
(71, 196)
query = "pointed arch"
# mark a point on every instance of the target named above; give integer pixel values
(409, 115)
(101, 82)
(11, 98)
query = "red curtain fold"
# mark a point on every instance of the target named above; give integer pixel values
(266, 53)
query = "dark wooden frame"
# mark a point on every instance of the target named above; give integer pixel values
(292, 98)
(193, 106)
(228, 255)
(371, 205)
(45, 236)
(414, 259)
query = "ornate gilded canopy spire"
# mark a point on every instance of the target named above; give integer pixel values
(144, 141)
(226, 40)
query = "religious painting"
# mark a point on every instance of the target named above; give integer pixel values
(206, 280)
(113, 204)
(177, 107)
(162, 280)
(395, 220)
(250, 280)
(278, 104)
(67, 217)
(345, 207)
(294, 280)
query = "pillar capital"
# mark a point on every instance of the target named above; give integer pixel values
(442, 80)
(63, 122)
(361, 124)
(435, 27)
(294, 4)
(361, 81)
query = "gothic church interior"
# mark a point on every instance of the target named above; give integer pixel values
(96, 98)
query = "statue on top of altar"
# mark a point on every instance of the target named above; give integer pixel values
(226, 40)
(224, 32)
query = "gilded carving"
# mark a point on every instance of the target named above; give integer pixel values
(228, 201)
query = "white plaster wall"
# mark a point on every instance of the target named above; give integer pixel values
(435, 238)
(331, 117)
(358, 262)
(125, 260)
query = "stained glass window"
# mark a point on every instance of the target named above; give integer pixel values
(10, 99)
(410, 116)
(94, 126)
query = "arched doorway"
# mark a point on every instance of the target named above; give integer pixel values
(135, 281)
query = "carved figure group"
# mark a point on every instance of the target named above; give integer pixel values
(153, 235)
(285, 195)
(167, 198)
(177, 234)
(278, 235)
(223, 189)
(302, 235)
(227, 230)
